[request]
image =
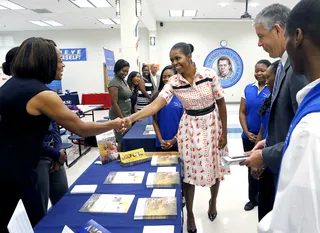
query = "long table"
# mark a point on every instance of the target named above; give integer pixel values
(134, 138)
(66, 211)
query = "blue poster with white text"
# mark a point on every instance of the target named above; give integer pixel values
(74, 54)
(109, 56)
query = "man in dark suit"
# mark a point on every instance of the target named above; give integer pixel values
(270, 26)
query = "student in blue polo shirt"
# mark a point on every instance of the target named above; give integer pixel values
(251, 101)
(166, 121)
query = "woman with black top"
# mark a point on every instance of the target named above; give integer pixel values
(146, 88)
(26, 107)
(133, 82)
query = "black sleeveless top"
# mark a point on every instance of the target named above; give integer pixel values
(21, 134)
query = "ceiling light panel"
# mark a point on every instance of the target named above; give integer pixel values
(223, 4)
(39, 23)
(100, 3)
(53, 23)
(175, 13)
(253, 4)
(11, 5)
(106, 21)
(3, 8)
(82, 3)
(189, 13)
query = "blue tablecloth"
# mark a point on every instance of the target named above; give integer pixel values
(134, 138)
(66, 211)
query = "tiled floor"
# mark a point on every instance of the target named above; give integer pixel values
(232, 196)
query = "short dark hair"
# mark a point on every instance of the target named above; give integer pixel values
(224, 58)
(130, 82)
(36, 58)
(305, 15)
(52, 42)
(184, 47)
(6, 66)
(267, 63)
(119, 65)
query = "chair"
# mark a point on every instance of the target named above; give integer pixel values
(78, 139)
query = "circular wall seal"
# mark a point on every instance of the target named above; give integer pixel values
(228, 65)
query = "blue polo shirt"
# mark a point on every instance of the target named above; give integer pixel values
(168, 119)
(254, 100)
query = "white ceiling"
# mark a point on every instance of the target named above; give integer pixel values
(73, 17)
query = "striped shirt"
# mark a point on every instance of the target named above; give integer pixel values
(142, 100)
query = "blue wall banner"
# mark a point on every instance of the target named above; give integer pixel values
(109, 56)
(56, 86)
(228, 65)
(74, 54)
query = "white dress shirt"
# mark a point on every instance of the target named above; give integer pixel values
(297, 204)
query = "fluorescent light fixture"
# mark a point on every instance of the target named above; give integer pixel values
(100, 3)
(253, 4)
(52, 23)
(117, 7)
(190, 13)
(40, 23)
(223, 4)
(175, 13)
(106, 21)
(138, 8)
(82, 3)
(117, 21)
(10, 5)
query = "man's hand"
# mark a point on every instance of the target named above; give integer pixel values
(127, 122)
(257, 172)
(259, 146)
(223, 141)
(118, 124)
(252, 137)
(255, 160)
(55, 167)
(63, 157)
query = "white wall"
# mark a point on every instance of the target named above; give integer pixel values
(84, 76)
(87, 77)
(206, 36)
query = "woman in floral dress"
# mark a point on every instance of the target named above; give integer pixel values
(202, 134)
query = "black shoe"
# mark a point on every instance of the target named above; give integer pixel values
(212, 217)
(250, 206)
(192, 231)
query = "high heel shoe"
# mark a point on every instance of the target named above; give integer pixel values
(211, 216)
(192, 231)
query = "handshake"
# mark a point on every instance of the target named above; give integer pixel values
(121, 124)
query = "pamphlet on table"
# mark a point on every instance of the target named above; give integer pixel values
(133, 177)
(108, 203)
(84, 189)
(158, 229)
(92, 227)
(107, 147)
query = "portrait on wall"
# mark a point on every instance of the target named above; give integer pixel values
(228, 65)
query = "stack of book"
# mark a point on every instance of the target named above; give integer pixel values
(124, 178)
(149, 130)
(156, 208)
(233, 160)
(165, 160)
(163, 179)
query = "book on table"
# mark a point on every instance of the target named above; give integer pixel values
(156, 208)
(164, 160)
(107, 147)
(92, 227)
(133, 157)
(149, 130)
(132, 177)
(162, 179)
(108, 203)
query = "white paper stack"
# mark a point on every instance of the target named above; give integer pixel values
(163, 193)
(158, 229)
(84, 189)
(166, 169)
(233, 160)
